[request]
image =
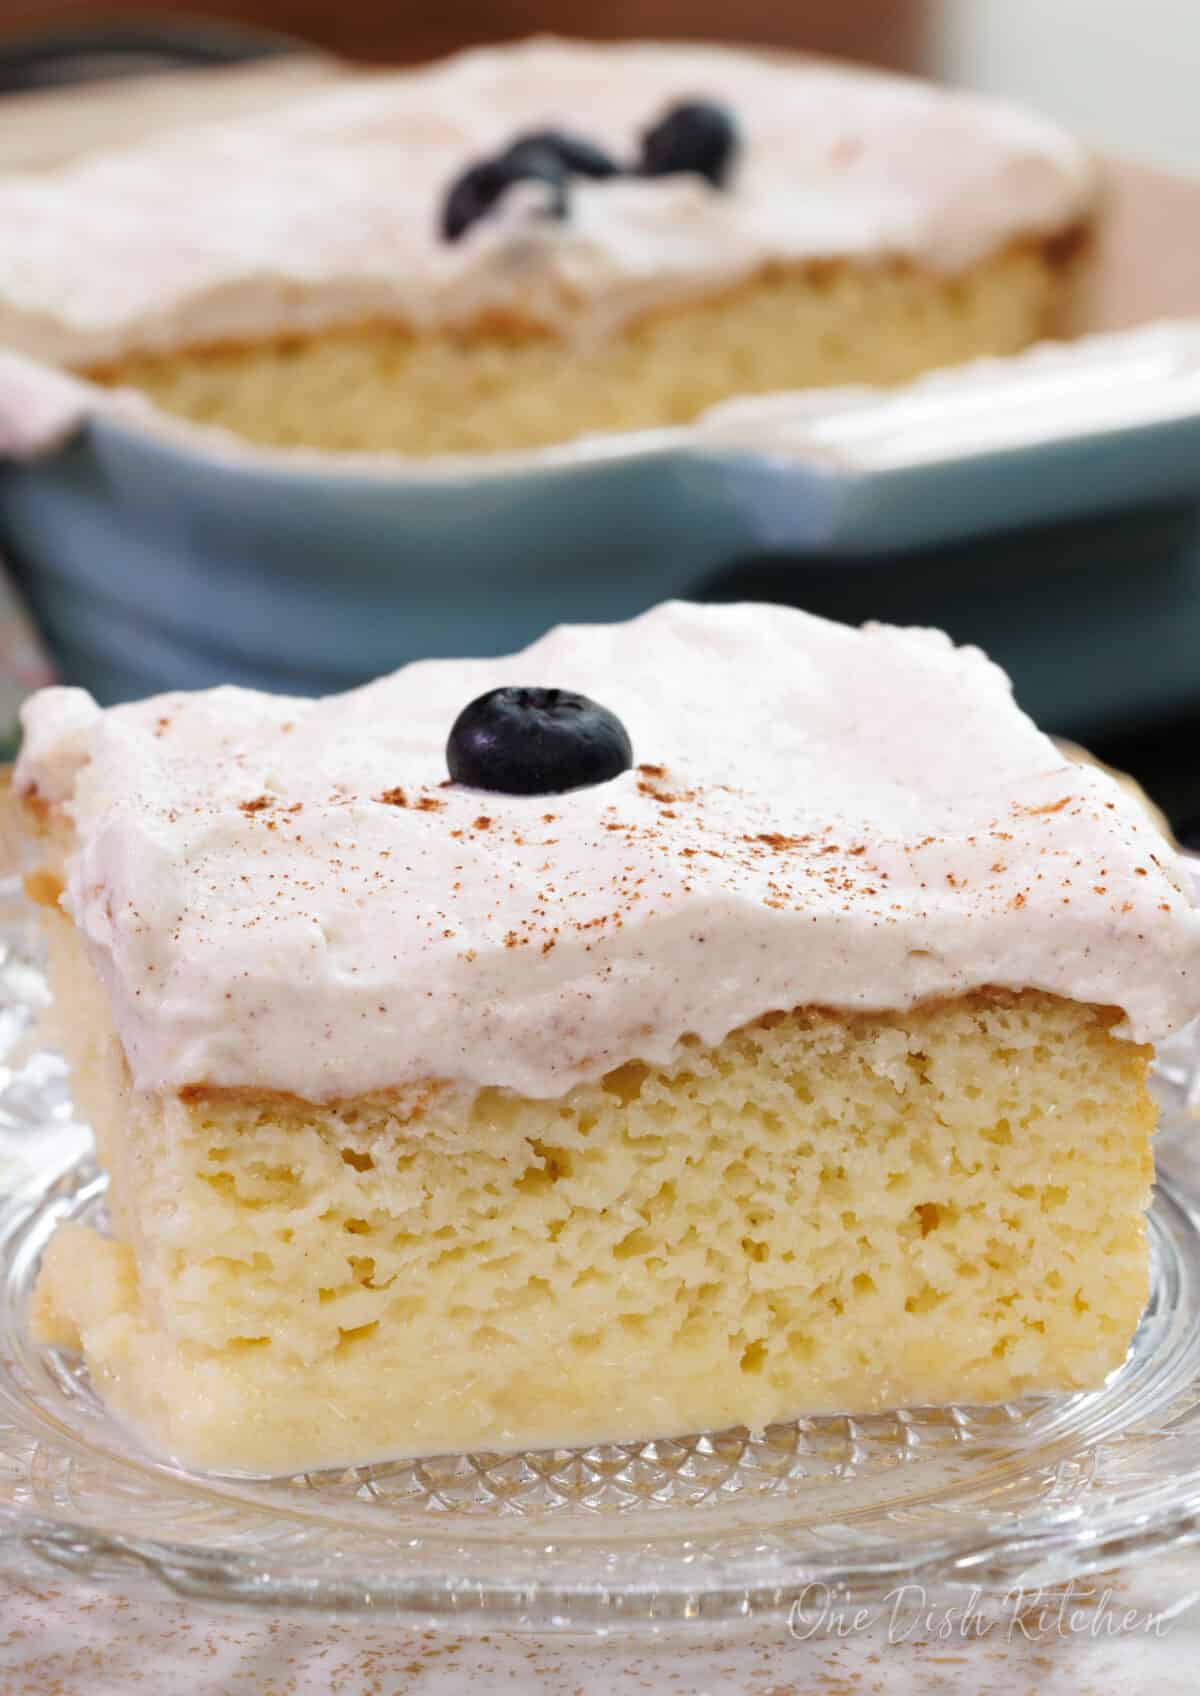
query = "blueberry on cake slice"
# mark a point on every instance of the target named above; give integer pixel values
(522, 244)
(710, 1019)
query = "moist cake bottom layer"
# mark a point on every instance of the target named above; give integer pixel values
(821, 1213)
(501, 386)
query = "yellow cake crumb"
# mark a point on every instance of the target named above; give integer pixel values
(488, 388)
(822, 1213)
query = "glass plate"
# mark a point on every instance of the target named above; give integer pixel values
(711, 1528)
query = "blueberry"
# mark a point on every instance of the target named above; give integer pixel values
(536, 742)
(579, 155)
(472, 195)
(697, 135)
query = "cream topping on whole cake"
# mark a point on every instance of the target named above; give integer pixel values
(325, 211)
(287, 894)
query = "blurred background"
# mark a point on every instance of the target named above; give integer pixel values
(1120, 74)
(886, 31)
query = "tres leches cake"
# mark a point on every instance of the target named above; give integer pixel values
(522, 244)
(769, 1038)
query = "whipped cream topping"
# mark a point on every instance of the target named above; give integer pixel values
(286, 894)
(325, 210)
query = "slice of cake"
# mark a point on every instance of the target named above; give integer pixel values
(519, 245)
(479, 1066)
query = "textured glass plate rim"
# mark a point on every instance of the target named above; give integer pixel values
(475, 1572)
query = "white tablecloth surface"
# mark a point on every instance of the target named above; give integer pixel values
(1122, 1636)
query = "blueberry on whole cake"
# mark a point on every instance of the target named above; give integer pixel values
(522, 244)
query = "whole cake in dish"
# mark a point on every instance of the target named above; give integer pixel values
(763, 1033)
(523, 244)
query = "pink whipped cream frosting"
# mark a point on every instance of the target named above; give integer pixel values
(287, 894)
(325, 210)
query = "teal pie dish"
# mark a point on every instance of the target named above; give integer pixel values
(154, 559)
